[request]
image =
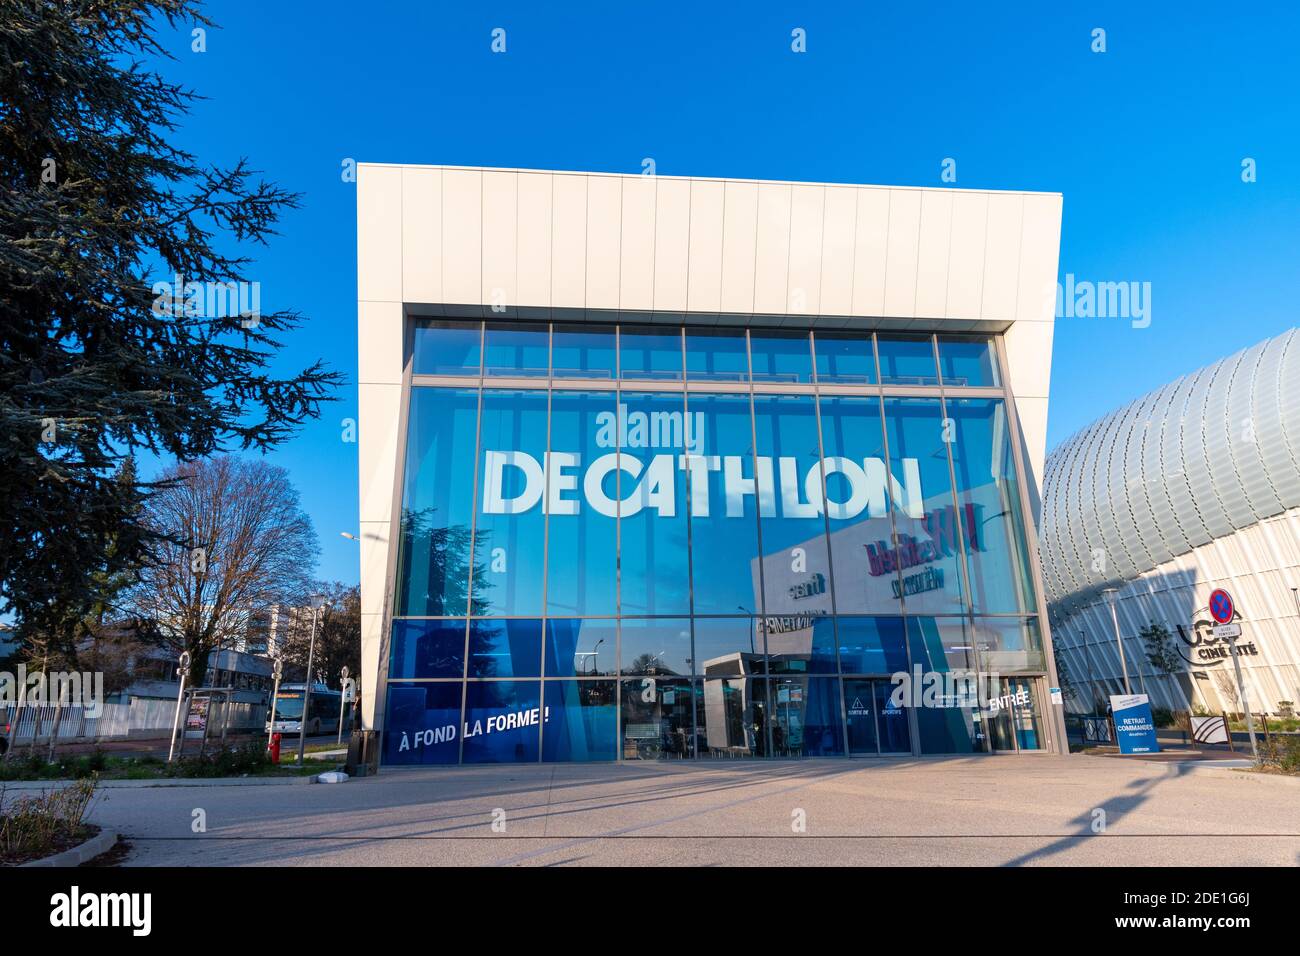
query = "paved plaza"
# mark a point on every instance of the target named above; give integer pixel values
(994, 811)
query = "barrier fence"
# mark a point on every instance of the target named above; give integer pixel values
(142, 717)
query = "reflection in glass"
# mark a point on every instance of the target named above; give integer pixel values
(716, 355)
(845, 358)
(872, 645)
(780, 356)
(423, 724)
(1009, 644)
(509, 648)
(582, 501)
(967, 361)
(650, 353)
(806, 717)
(798, 644)
(941, 644)
(656, 718)
(653, 552)
(501, 721)
(427, 649)
(906, 360)
(726, 646)
(446, 348)
(578, 648)
(511, 528)
(724, 525)
(655, 646)
(796, 566)
(516, 348)
(990, 506)
(858, 504)
(583, 351)
(860, 712)
(733, 718)
(581, 721)
(929, 542)
(437, 503)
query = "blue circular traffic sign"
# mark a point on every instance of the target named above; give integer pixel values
(1221, 608)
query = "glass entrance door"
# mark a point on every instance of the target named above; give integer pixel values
(1014, 722)
(875, 725)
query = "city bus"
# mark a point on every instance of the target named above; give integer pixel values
(323, 717)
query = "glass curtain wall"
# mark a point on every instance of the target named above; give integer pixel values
(667, 543)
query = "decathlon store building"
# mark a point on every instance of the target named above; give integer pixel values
(659, 468)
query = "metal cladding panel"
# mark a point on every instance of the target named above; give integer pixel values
(1188, 464)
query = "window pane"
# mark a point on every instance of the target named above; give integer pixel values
(511, 528)
(1008, 644)
(925, 518)
(796, 567)
(582, 500)
(423, 724)
(967, 361)
(654, 573)
(650, 353)
(424, 649)
(581, 720)
(733, 718)
(724, 523)
(505, 648)
(655, 647)
(437, 502)
(716, 355)
(906, 360)
(845, 357)
(872, 645)
(798, 644)
(516, 348)
(992, 518)
(727, 646)
(583, 351)
(446, 348)
(806, 717)
(501, 720)
(656, 719)
(577, 648)
(857, 492)
(780, 356)
(942, 644)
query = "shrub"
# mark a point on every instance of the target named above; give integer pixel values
(32, 827)
(1281, 753)
(226, 762)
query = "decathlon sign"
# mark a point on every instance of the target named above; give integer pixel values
(515, 482)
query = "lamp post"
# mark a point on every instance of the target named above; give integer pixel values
(317, 602)
(1112, 596)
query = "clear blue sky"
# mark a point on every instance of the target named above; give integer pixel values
(1145, 142)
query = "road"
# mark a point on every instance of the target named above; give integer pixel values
(991, 810)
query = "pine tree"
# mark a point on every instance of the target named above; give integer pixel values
(102, 350)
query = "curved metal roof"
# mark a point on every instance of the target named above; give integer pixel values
(1206, 455)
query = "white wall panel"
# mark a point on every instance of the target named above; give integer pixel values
(901, 253)
(604, 239)
(807, 210)
(933, 247)
(462, 236)
(421, 234)
(704, 269)
(772, 259)
(672, 243)
(637, 244)
(500, 239)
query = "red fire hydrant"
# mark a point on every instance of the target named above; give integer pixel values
(275, 748)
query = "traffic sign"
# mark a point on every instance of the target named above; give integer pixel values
(1221, 607)
(1226, 631)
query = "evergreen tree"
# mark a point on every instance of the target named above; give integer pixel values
(120, 323)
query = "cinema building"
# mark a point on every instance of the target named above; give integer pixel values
(1192, 487)
(674, 468)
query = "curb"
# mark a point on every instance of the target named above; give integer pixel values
(78, 854)
(1244, 773)
(164, 782)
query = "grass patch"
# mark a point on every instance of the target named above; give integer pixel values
(248, 760)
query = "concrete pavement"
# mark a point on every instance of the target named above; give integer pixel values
(990, 810)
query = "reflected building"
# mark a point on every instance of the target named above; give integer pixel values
(659, 468)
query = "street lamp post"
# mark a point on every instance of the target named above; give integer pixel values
(1112, 596)
(317, 602)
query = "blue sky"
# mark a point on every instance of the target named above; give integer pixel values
(1145, 141)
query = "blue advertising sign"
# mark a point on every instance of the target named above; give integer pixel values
(1135, 728)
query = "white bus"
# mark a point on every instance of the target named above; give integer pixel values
(323, 717)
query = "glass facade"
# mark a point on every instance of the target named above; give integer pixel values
(660, 542)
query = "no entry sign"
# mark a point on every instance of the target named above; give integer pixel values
(1221, 606)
